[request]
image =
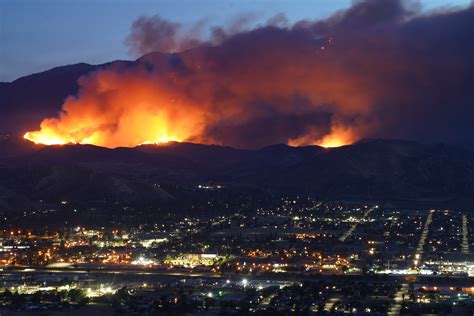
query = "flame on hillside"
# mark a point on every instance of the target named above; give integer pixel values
(362, 73)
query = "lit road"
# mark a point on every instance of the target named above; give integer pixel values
(268, 299)
(465, 236)
(143, 274)
(330, 304)
(348, 233)
(421, 243)
(396, 306)
(137, 272)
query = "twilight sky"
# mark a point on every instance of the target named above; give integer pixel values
(36, 35)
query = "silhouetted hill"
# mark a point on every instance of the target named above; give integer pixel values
(28, 100)
(372, 169)
(25, 102)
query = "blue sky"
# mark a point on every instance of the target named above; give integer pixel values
(36, 35)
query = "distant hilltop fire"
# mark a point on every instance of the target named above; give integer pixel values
(367, 72)
(128, 106)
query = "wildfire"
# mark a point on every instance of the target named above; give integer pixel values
(127, 107)
(48, 138)
(156, 135)
(160, 140)
(339, 136)
(44, 138)
(332, 141)
(116, 110)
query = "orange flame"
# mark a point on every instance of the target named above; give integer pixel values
(114, 111)
(127, 107)
(339, 136)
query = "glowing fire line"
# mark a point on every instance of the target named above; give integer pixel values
(49, 140)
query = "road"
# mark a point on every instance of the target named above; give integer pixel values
(330, 304)
(465, 236)
(421, 243)
(353, 227)
(397, 302)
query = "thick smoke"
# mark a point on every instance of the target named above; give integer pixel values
(378, 69)
(155, 34)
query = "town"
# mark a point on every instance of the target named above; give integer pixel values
(300, 255)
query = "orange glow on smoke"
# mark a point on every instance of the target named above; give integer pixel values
(155, 132)
(119, 110)
(45, 138)
(49, 137)
(339, 136)
(332, 141)
(126, 107)
(328, 82)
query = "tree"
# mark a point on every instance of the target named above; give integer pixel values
(18, 300)
(76, 295)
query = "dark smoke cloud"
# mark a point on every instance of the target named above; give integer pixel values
(378, 69)
(269, 127)
(155, 34)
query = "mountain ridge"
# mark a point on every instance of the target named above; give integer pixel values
(376, 169)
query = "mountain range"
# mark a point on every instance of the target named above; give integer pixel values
(26, 101)
(371, 169)
(366, 170)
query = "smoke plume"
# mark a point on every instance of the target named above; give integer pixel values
(378, 69)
